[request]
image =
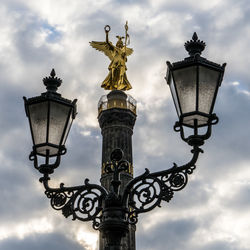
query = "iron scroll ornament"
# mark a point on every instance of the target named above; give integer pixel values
(142, 194)
(147, 191)
(91, 202)
(82, 202)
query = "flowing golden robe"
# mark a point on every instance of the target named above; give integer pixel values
(117, 78)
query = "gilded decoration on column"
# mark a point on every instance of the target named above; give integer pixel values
(116, 78)
(129, 170)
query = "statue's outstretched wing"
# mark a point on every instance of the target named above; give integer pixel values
(104, 47)
(128, 51)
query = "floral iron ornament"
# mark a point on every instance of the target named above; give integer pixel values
(112, 212)
(117, 78)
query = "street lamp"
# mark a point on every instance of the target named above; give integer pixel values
(194, 84)
(50, 118)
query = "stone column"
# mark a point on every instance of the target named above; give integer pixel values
(117, 115)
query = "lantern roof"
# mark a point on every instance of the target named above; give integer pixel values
(194, 48)
(48, 96)
(52, 83)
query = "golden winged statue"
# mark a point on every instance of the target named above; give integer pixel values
(117, 78)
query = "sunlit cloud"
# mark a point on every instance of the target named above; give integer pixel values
(89, 240)
(22, 230)
(212, 212)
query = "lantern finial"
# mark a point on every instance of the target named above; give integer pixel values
(195, 46)
(195, 37)
(52, 82)
(52, 73)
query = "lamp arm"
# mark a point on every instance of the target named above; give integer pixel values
(148, 190)
(187, 167)
(82, 202)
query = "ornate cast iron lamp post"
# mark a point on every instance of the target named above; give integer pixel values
(194, 84)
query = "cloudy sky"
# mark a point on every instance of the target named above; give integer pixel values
(213, 211)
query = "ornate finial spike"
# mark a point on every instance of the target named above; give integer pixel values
(53, 73)
(52, 82)
(194, 46)
(195, 37)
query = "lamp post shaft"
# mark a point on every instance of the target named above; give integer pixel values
(116, 119)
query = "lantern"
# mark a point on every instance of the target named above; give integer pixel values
(50, 118)
(194, 84)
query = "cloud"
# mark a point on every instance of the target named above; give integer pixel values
(220, 245)
(39, 242)
(212, 211)
(171, 235)
(239, 198)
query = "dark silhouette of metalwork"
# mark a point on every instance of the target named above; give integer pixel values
(113, 210)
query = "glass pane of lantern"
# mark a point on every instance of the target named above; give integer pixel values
(58, 120)
(38, 119)
(68, 127)
(189, 120)
(42, 150)
(185, 80)
(208, 80)
(172, 89)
